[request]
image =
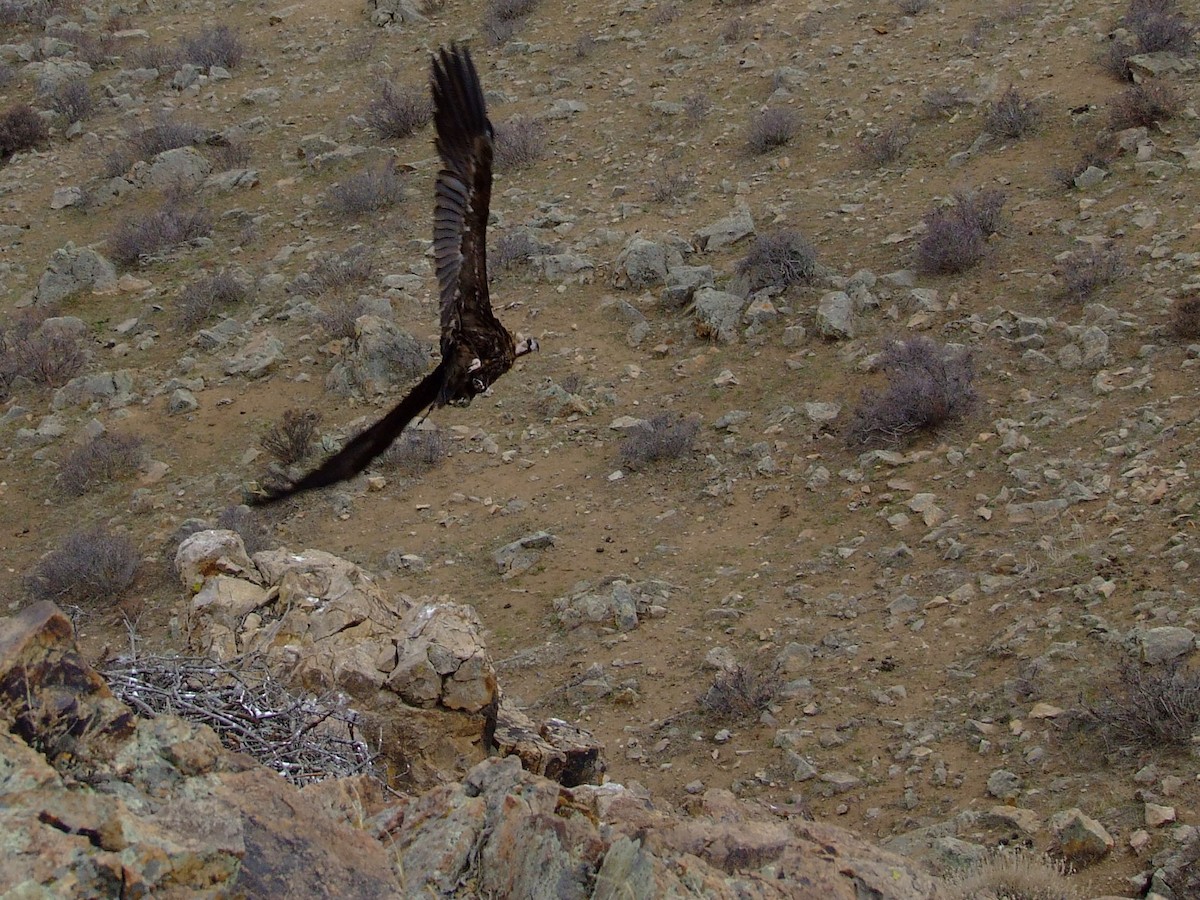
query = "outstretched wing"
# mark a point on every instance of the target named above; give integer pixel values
(357, 454)
(462, 193)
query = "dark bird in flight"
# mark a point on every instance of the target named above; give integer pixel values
(476, 348)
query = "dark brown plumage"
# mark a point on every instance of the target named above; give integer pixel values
(476, 348)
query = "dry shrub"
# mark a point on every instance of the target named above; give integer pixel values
(231, 155)
(365, 192)
(1144, 708)
(1185, 317)
(167, 134)
(520, 142)
(1099, 155)
(203, 298)
(883, 147)
(778, 260)
(928, 386)
(696, 107)
(416, 451)
(72, 99)
(217, 45)
(664, 436)
(1144, 104)
(45, 358)
(90, 565)
(504, 18)
(1159, 26)
(156, 56)
(136, 239)
(398, 112)
(108, 457)
(942, 103)
(665, 14)
(512, 249)
(772, 127)
(1009, 875)
(913, 7)
(340, 320)
(1012, 115)
(956, 237)
(21, 129)
(254, 534)
(293, 438)
(406, 356)
(739, 694)
(670, 185)
(336, 271)
(1084, 272)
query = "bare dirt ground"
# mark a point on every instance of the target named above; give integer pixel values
(919, 702)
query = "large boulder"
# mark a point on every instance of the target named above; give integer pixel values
(71, 270)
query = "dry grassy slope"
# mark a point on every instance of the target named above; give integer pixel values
(767, 545)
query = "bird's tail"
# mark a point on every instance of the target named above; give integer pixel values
(359, 452)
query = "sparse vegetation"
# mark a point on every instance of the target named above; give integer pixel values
(90, 565)
(520, 142)
(1084, 272)
(1144, 104)
(504, 18)
(21, 129)
(1142, 708)
(109, 456)
(928, 386)
(885, 146)
(512, 249)
(781, 259)
(1185, 317)
(339, 319)
(670, 185)
(912, 7)
(664, 436)
(941, 103)
(218, 45)
(45, 358)
(772, 127)
(205, 297)
(956, 237)
(1012, 115)
(696, 107)
(137, 239)
(397, 112)
(739, 694)
(72, 99)
(416, 451)
(665, 13)
(1097, 155)
(1158, 26)
(1010, 874)
(336, 271)
(293, 438)
(250, 528)
(366, 192)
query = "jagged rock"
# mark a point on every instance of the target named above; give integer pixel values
(726, 231)
(615, 602)
(182, 401)
(373, 356)
(683, 282)
(180, 167)
(717, 314)
(522, 554)
(1144, 66)
(97, 802)
(232, 180)
(114, 389)
(1078, 837)
(835, 316)
(555, 749)
(641, 263)
(1164, 643)
(206, 554)
(72, 270)
(562, 267)
(260, 355)
(441, 660)
(513, 834)
(393, 12)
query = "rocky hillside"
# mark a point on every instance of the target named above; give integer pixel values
(682, 526)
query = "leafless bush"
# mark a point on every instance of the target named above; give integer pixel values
(1084, 272)
(21, 128)
(928, 386)
(669, 185)
(1012, 115)
(1115, 59)
(912, 7)
(696, 107)
(167, 134)
(156, 56)
(504, 18)
(942, 103)
(1014, 875)
(365, 192)
(778, 260)
(665, 14)
(416, 451)
(72, 99)
(406, 356)
(1097, 155)
(1185, 317)
(1159, 26)
(336, 271)
(664, 436)
(7, 74)
(886, 146)
(97, 50)
(739, 694)
(520, 142)
(109, 456)
(1144, 104)
(305, 739)
(512, 249)
(203, 298)
(249, 527)
(398, 112)
(956, 237)
(138, 238)
(90, 565)
(340, 320)
(1142, 708)
(44, 358)
(231, 155)
(217, 45)
(772, 127)
(293, 438)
